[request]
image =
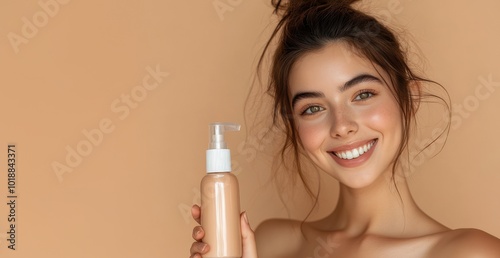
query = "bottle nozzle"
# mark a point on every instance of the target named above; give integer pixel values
(217, 134)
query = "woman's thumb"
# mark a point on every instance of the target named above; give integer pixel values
(247, 237)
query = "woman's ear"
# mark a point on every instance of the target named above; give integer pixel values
(415, 93)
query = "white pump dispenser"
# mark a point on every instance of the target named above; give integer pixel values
(218, 155)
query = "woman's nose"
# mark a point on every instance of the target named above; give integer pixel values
(343, 124)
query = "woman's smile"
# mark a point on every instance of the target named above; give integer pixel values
(353, 155)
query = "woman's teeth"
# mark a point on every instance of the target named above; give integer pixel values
(355, 153)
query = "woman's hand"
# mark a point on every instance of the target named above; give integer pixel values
(247, 238)
(199, 248)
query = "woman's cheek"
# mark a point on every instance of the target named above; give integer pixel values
(312, 134)
(378, 117)
(384, 118)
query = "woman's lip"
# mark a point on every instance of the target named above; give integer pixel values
(351, 163)
(351, 146)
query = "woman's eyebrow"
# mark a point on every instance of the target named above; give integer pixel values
(305, 95)
(359, 79)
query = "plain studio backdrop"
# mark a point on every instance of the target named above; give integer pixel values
(108, 104)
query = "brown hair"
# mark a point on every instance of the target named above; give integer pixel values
(309, 25)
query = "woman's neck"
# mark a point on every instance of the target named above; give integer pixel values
(381, 209)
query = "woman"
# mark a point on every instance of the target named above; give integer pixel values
(347, 98)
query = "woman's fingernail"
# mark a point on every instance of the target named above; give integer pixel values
(203, 248)
(245, 217)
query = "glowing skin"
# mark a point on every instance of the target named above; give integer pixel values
(334, 118)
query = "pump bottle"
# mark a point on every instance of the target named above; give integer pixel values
(220, 200)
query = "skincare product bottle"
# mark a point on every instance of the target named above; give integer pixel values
(220, 200)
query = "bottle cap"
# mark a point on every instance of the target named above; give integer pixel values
(218, 155)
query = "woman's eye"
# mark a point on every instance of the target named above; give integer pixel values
(311, 110)
(364, 95)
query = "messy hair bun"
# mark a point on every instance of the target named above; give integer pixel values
(299, 6)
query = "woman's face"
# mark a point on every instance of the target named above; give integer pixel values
(347, 119)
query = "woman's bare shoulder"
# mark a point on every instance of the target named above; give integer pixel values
(278, 238)
(467, 243)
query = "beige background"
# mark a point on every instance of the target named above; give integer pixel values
(130, 195)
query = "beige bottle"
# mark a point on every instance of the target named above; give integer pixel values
(220, 200)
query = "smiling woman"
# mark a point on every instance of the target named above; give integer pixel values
(347, 99)
(352, 109)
